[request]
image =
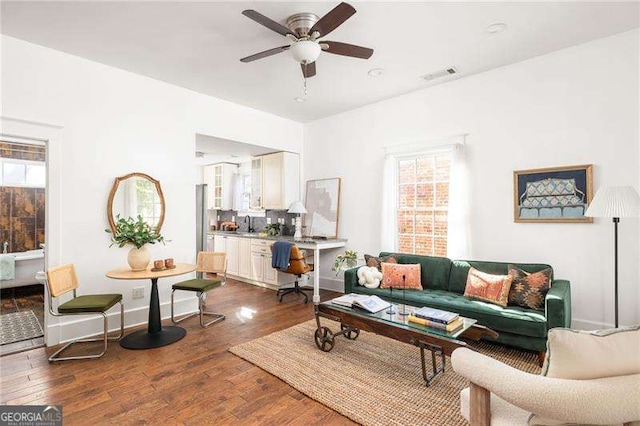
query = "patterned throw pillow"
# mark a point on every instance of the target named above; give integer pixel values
(392, 274)
(529, 289)
(487, 287)
(376, 262)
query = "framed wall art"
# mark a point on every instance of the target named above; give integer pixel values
(322, 201)
(555, 194)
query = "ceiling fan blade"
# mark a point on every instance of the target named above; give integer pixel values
(267, 22)
(333, 19)
(346, 49)
(264, 54)
(308, 70)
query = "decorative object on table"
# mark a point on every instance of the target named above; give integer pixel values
(348, 259)
(297, 208)
(390, 311)
(404, 312)
(322, 202)
(555, 194)
(615, 202)
(273, 229)
(136, 194)
(168, 263)
(158, 264)
(138, 233)
(369, 277)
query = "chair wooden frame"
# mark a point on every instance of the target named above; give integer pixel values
(61, 280)
(208, 262)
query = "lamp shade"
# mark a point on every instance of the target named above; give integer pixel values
(297, 207)
(615, 201)
(305, 51)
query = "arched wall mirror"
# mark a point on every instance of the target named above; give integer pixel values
(136, 194)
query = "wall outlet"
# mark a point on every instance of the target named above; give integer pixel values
(218, 217)
(137, 293)
(268, 221)
(281, 220)
(233, 218)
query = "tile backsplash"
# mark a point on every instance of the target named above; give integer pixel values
(258, 223)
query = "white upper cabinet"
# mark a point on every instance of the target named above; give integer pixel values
(275, 180)
(220, 180)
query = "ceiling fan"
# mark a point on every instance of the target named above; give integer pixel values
(305, 30)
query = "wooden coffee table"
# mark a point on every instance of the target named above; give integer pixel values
(395, 326)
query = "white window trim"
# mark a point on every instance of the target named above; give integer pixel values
(24, 184)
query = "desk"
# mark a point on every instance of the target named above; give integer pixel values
(316, 246)
(155, 335)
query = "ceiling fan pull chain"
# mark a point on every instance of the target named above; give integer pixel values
(304, 77)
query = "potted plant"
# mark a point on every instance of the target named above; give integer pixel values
(273, 229)
(348, 259)
(138, 233)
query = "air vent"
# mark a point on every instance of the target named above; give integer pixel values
(439, 74)
(199, 154)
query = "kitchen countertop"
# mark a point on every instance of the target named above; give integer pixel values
(307, 240)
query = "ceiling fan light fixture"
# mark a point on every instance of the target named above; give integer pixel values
(375, 72)
(305, 51)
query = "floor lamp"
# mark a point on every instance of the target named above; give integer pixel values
(615, 202)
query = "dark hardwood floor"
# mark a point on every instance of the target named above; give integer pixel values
(194, 381)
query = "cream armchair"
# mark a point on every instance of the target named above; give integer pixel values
(588, 378)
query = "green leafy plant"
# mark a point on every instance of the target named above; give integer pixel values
(132, 231)
(349, 259)
(273, 229)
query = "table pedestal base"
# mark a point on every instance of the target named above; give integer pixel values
(142, 339)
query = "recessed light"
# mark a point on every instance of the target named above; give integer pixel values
(375, 72)
(299, 99)
(496, 28)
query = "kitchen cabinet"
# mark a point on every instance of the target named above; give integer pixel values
(275, 180)
(220, 180)
(261, 262)
(244, 257)
(228, 245)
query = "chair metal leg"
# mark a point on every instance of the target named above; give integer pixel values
(201, 312)
(296, 289)
(105, 338)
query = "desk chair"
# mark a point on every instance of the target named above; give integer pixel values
(208, 262)
(63, 279)
(297, 267)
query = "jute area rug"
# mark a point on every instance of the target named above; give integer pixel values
(18, 326)
(373, 380)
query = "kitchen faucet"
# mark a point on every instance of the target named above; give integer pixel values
(249, 229)
(4, 246)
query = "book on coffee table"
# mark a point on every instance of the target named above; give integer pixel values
(436, 315)
(369, 303)
(449, 328)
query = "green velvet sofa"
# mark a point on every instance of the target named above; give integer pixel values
(444, 281)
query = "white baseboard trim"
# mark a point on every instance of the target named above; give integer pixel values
(582, 324)
(81, 327)
(332, 284)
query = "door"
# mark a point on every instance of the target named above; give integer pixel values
(272, 181)
(257, 269)
(244, 257)
(232, 255)
(270, 274)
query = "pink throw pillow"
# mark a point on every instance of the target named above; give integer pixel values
(392, 274)
(487, 287)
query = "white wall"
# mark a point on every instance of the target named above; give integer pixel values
(113, 123)
(574, 106)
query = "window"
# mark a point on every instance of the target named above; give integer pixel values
(422, 195)
(14, 172)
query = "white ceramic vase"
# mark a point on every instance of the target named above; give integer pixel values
(138, 258)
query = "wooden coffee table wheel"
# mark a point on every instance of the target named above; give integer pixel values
(352, 334)
(324, 339)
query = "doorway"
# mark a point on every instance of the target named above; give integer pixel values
(23, 202)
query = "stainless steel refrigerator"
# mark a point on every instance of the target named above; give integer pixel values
(202, 218)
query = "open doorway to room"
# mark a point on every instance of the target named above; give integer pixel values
(22, 244)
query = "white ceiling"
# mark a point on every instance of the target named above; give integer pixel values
(198, 45)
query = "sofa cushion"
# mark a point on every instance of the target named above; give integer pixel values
(434, 271)
(488, 287)
(529, 289)
(376, 262)
(460, 270)
(527, 322)
(397, 275)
